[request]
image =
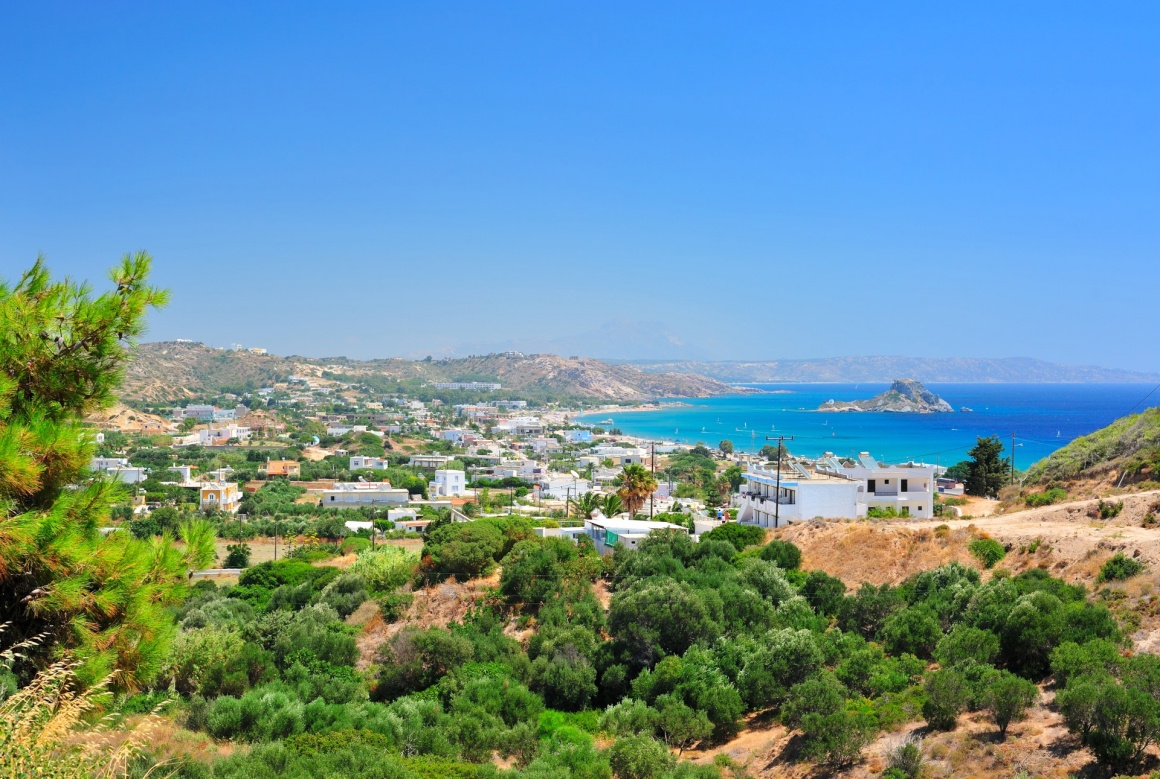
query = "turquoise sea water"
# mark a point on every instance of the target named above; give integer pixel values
(1043, 417)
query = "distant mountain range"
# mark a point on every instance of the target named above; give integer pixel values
(884, 369)
(175, 370)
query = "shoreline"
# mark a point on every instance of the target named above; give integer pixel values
(610, 410)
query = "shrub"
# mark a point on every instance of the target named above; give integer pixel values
(914, 630)
(640, 757)
(783, 554)
(394, 606)
(905, 758)
(238, 557)
(1006, 698)
(1109, 509)
(345, 594)
(1119, 567)
(740, 536)
(385, 568)
(987, 551)
(1046, 498)
(947, 694)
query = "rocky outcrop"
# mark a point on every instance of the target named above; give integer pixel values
(905, 396)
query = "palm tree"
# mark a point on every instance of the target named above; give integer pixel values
(636, 484)
(587, 503)
(611, 505)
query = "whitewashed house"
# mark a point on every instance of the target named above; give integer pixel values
(448, 484)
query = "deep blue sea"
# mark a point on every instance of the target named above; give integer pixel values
(1043, 417)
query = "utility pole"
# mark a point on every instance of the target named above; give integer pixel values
(1013, 445)
(777, 495)
(654, 473)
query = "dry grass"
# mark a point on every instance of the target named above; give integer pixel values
(46, 730)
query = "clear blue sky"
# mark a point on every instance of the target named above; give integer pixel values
(741, 181)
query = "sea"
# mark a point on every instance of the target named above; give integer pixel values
(1042, 418)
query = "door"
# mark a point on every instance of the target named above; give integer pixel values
(904, 485)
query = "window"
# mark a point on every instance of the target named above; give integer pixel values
(904, 483)
(920, 508)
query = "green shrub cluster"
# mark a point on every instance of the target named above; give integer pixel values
(987, 551)
(1046, 498)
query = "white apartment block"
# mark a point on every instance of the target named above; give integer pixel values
(835, 491)
(908, 488)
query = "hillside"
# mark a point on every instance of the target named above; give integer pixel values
(905, 396)
(1129, 447)
(175, 370)
(885, 368)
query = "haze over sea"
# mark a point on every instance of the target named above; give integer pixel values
(1044, 417)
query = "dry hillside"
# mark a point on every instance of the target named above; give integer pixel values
(175, 370)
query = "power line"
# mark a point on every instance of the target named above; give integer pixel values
(1143, 399)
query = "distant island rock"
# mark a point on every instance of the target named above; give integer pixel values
(905, 396)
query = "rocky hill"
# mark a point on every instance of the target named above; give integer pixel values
(1128, 450)
(885, 368)
(174, 370)
(905, 396)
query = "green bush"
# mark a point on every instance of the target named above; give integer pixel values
(345, 594)
(947, 695)
(783, 554)
(1110, 509)
(740, 536)
(987, 551)
(238, 557)
(385, 568)
(1119, 567)
(394, 606)
(1046, 498)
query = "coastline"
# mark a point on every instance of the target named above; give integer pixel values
(652, 407)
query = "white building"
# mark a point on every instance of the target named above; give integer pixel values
(467, 385)
(458, 437)
(185, 473)
(521, 426)
(119, 468)
(609, 533)
(215, 436)
(801, 495)
(620, 455)
(835, 491)
(563, 486)
(431, 461)
(577, 436)
(546, 446)
(448, 484)
(908, 489)
(357, 493)
(358, 463)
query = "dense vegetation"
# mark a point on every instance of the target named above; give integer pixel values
(1132, 443)
(697, 635)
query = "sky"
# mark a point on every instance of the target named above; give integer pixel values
(701, 180)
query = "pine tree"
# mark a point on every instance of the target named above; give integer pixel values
(62, 353)
(986, 470)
